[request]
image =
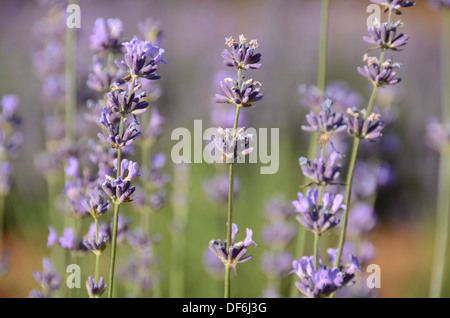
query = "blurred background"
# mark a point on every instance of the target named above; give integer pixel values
(193, 36)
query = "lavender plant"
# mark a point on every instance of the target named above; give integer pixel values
(438, 135)
(234, 144)
(48, 279)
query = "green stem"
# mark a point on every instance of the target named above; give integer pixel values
(2, 218)
(71, 82)
(97, 256)
(443, 196)
(230, 197)
(322, 67)
(316, 250)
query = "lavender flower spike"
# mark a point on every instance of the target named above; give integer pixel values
(385, 36)
(141, 59)
(235, 253)
(95, 290)
(113, 138)
(106, 35)
(48, 279)
(318, 217)
(244, 96)
(380, 75)
(230, 147)
(394, 5)
(322, 172)
(242, 55)
(358, 125)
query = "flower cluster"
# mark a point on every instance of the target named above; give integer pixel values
(95, 290)
(380, 74)
(322, 171)
(362, 126)
(106, 35)
(242, 54)
(231, 147)
(48, 279)
(119, 189)
(240, 95)
(235, 252)
(385, 36)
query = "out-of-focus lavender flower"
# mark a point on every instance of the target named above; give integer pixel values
(106, 35)
(231, 147)
(242, 55)
(318, 217)
(380, 75)
(385, 35)
(120, 189)
(68, 241)
(438, 134)
(277, 209)
(95, 290)
(151, 31)
(365, 127)
(441, 4)
(138, 240)
(100, 78)
(113, 137)
(322, 172)
(48, 279)
(96, 204)
(235, 252)
(322, 282)
(6, 169)
(362, 219)
(361, 247)
(394, 5)
(154, 128)
(276, 263)
(4, 263)
(141, 59)
(279, 233)
(10, 105)
(216, 188)
(245, 95)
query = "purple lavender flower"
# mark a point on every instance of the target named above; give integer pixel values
(278, 234)
(106, 35)
(6, 169)
(141, 59)
(385, 36)
(96, 204)
(52, 237)
(394, 5)
(235, 253)
(4, 263)
(10, 104)
(120, 189)
(154, 128)
(242, 55)
(48, 279)
(365, 127)
(438, 134)
(362, 219)
(68, 240)
(100, 79)
(322, 172)
(118, 102)
(231, 147)
(151, 31)
(96, 246)
(129, 134)
(216, 188)
(322, 282)
(318, 217)
(95, 290)
(245, 95)
(380, 75)
(213, 265)
(276, 264)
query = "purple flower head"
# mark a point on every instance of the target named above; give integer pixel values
(95, 290)
(216, 189)
(394, 5)
(440, 4)
(10, 104)
(106, 35)
(438, 134)
(235, 253)
(279, 234)
(100, 79)
(154, 128)
(322, 282)
(96, 204)
(129, 134)
(72, 167)
(141, 59)
(318, 217)
(380, 74)
(151, 31)
(138, 240)
(68, 240)
(231, 147)
(48, 279)
(245, 95)
(242, 55)
(362, 126)
(276, 264)
(120, 189)
(322, 172)
(385, 36)
(6, 169)
(118, 102)
(97, 246)
(52, 238)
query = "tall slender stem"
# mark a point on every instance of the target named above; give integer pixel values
(230, 197)
(71, 80)
(443, 195)
(117, 204)
(97, 256)
(322, 67)
(2, 222)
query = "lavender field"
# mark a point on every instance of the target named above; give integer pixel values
(225, 149)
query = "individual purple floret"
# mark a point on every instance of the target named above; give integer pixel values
(322, 282)
(49, 280)
(322, 172)
(242, 55)
(106, 35)
(318, 217)
(216, 189)
(362, 126)
(385, 36)
(120, 189)
(380, 75)
(235, 253)
(129, 134)
(141, 59)
(95, 290)
(442, 4)
(394, 5)
(245, 95)
(231, 147)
